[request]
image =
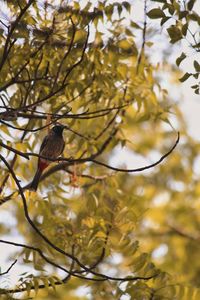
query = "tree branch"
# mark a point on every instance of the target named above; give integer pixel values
(8, 270)
(141, 169)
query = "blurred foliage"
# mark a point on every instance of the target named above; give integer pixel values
(104, 89)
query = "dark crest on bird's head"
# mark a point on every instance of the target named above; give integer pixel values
(58, 129)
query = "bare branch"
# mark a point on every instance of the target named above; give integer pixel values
(143, 38)
(7, 48)
(66, 54)
(8, 270)
(14, 150)
(14, 158)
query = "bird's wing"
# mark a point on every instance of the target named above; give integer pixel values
(63, 147)
(44, 142)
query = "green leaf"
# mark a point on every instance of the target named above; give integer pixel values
(122, 69)
(149, 44)
(196, 75)
(185, 28)
(196, 45)
(171, 9)
(156, 13)
(182, 14)
(127, 5)
(195, 86)
(80, 36)
(135, 25)
(197, 66)
(28, 287)
(36, 284)
(185, 77)
(194, 17)
(191, 4)
(180, 58)
(128, 46)
(119, 8)
(139, 262)
(109, 11)
(164, 19)
(174, 33)
(46, 282)
(52, 282)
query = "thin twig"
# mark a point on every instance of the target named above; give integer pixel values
(8, 270)
(143, 38)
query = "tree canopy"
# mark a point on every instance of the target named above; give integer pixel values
(119, 230)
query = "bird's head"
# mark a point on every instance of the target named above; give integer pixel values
(58, 129)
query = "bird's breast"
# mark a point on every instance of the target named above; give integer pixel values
(53, 147)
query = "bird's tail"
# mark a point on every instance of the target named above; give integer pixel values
(34, 184)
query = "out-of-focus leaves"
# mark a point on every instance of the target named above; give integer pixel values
(131, 223)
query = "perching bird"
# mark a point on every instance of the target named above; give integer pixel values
(52, 146)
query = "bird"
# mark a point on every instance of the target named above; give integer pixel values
(52, 147)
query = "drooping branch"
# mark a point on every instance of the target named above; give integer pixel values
(54, 92)
(66, 54)
(8, 45)
(141, 169)
(39, 251)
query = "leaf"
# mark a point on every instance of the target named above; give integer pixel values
(156, 13)
(196, 45)
(36, 284)
(139, 262)
(195, 86)
(194, 17)
(122, 69)
(185, 77)
(119, 8)
(149, 44)
(164, 20)
(174, 33)
(135, 25)
(191, 4)
(180, 59)
(185, 28)
(196, 75)
(52, 282)
(28, 287)
(197, 66)
(80, 36)
(128, 46)
(171, 8)
(109, 11)
(127, 5)
(46, 282)
(183, 14)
